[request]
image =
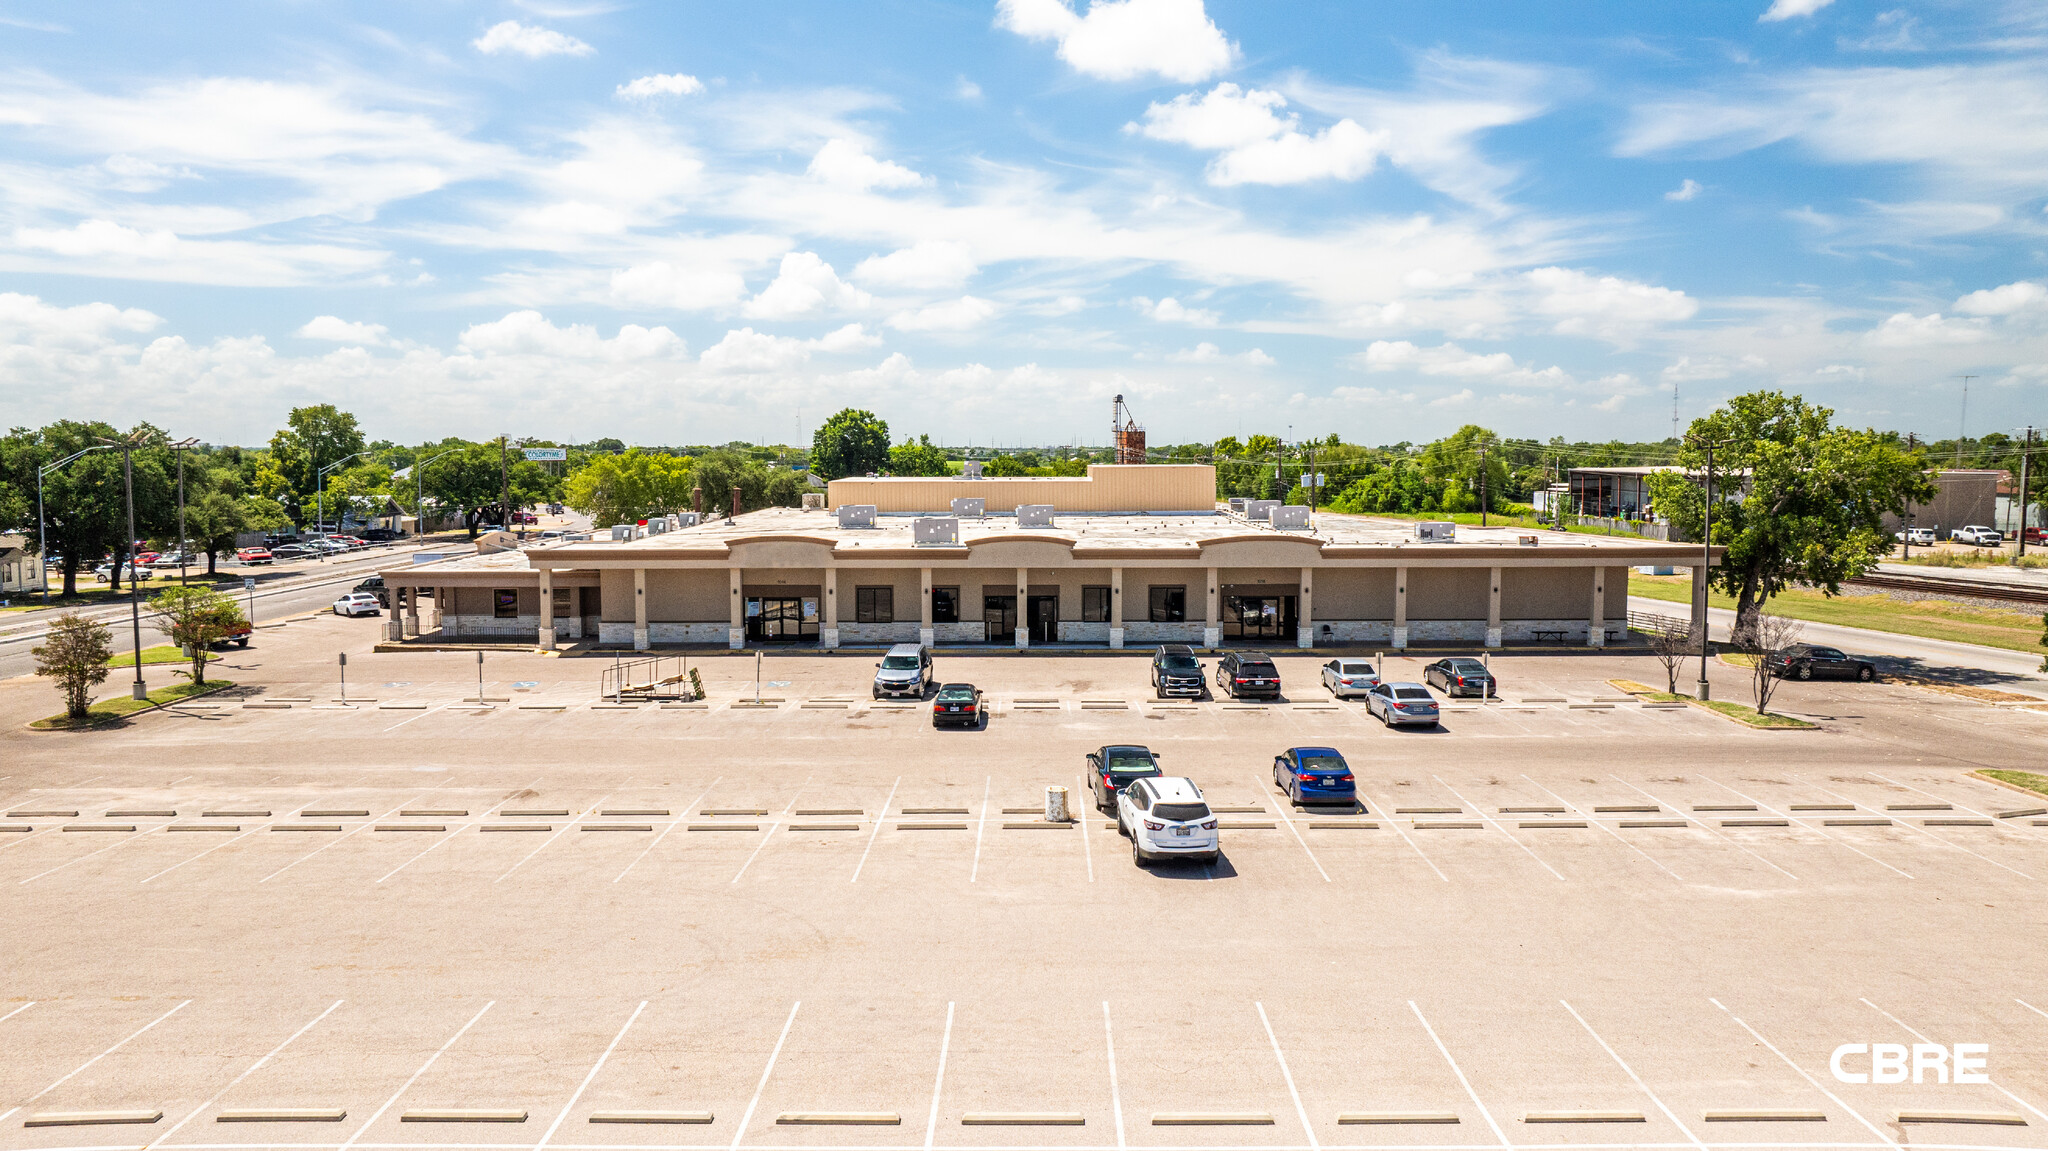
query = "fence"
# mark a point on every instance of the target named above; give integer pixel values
(661, 677)
(1650, 623)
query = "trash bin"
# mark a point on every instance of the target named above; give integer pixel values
(1056, 805)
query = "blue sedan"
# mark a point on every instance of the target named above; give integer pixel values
(1314, 775)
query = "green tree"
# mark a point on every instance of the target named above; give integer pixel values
(1004, 466)
(313, 437)
(75, 654)
(85, 501)
(624, 489)
(918, 457)
(852, 443)
(1797, 500)
(196, 618)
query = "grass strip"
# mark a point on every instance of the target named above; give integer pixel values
(111, 710)
(2018, 780)
(1739, 712)
(1928, 619)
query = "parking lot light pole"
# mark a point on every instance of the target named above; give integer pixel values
(140, 690)
(320, 497)
(180, 447)
(1706, 565)
(42, 530)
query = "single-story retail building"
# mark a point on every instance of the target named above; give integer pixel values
(1152, 571)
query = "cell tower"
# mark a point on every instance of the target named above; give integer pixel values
(1125, 434)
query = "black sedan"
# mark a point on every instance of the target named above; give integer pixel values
(1812, 661)
(1460, 675)
(959, 704)
(1112, 768)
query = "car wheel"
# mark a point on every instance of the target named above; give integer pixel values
(1137, 853)
(244, 642)
(1122, 828)
(1866, 674)
(1805, 672)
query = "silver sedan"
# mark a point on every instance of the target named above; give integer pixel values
(1345, 678)
(1402, 704)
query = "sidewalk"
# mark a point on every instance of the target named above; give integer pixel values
(1862, 641)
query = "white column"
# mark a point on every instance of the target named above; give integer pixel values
(1493, 609)
(927, 629)
(394, 623)
(547, 609)
(440, 598)
(1116, 608)
(736, 636)
(1400, 608)
(1212, 610)
(828, 636)
(1023, 608)
(640, 609)
(1596, 624)
(1305, 615)
(574, 628)
(412, 611)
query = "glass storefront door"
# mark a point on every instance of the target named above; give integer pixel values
(1000, 613)
(788, 620)
(1259, 619)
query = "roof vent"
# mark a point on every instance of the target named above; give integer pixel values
(685, 520)
(936, 530)
(1436, 532)
(1034, 515)
(974, 506)
(970, 470)
(1526, 541)
(856, 515)
(1260, 510)
(621, 532)
(1292, 518)
(1237, 505)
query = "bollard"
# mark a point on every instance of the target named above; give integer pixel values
(1056, 805)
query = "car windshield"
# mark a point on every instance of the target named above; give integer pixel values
(899, 662)
(1324, 763)
(1180, 811)
(1180, 661)
(1414, 693)
(956, 693)
(1354, 669)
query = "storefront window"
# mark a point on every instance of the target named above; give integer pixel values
(1169, 605)
(1094, 605)
(945, 605)
(874, 605)
(505, 603)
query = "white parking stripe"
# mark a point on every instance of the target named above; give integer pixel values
(1608, 830)
(974, 873)
(876, 830)
(931, 1123)
(664, 831)
(124, 841)
(1803, 1075)
(1116, 1098)
(1705, 826)
(2032, 1008)
(414, 1078)
(344, 835)
(1644, 1087)
(536, 851)
(1460, 1073)
(1081, 821)
(740, 1132)
(17, 1011)
(1952, 846)
(1805, 823)
(770, 833)
(253, 1067)
(1281, 808)
(1405, 838)
(208, 851)
(1497, 827)
(2038, 1114)
(585, 1085)
(1307, 1128)
(102, 1055)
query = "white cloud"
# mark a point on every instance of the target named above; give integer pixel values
(746, 350)
(1126, 39)
(931, 264)
(1788, 9)
(1454, 361)
(952, 316)
(845, 164)
(528, 333)
(846, 339)
(689, 287)
(1258, 145)
(29, 320)
(99, 238)
(1208, 353)
(1606, 306)
(966, 89)
(1454, 400)
(1686, 191)
(2005, 300)
(660, 84)
(529, 41)
(342, 331)
(805, 284)
(1906, 330)
(1172, 311)
(1689, 369)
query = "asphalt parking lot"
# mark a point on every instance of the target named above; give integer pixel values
(822, 924)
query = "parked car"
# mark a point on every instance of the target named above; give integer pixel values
(1978, 535)
(960, 704)
(2030, 535)
(1167, 818)
(524, 518)
(253, 555)
(276, 539)
(1461, 675)
(383, 535)
(906, 669)
(1406, 704)
(237, 635)
(1315, 775)
(1921, 537)
(292, 552)
(375, 586)
(1117, 766)
(1248, 673)
(172, 559)
(357, 603)
(1176, 671)
(328, 546)
(1812, 661)
(1348, 677)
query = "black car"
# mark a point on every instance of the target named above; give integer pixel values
(1248, 673)
(276, 539)
(291, 552)
(1812, 661)
(1176, 671)
(1111, 768)
(375, 586)
(382, 535)
(1461, 675)
(959, 704)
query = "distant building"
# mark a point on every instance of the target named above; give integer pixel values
(21, 570)
(1963, 496)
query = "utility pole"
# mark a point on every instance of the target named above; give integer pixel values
(1482, 483)
(127, 446)
(1963, 421)
(180, 447)
(504, 486)
(1706, 567)
(2026, 464)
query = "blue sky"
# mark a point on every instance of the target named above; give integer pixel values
(691, 222)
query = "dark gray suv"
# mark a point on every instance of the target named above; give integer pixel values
(1176, 671)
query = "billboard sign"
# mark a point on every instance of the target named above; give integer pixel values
(548, 455)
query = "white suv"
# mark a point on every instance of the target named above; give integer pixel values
(1166, 818)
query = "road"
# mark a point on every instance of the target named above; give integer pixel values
(1861, 641)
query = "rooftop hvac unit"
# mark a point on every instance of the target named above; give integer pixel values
(1292, 518)
(685, 519)
(814, 501)
(1260, 509)
(970, 506)
(856, 515)
(1436, 532)
(657, 525)
(970, 470)
(621, 532)
(1034, 515)
(1237, 504)
(936, 530)
(1526, 541)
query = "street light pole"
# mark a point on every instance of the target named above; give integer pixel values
(42, 531)
(320, 497)
(1706, 567)
(180, 448)
(127, 446)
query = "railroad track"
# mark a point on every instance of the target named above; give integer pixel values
(1936, 585)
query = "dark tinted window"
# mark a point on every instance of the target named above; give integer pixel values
(1412, 693)
(1094, 605)
(1169, 605)
(504, 603)
(1180, 661)
(874, 605)
(945, 605)
(1260, 670)
(1181, 811)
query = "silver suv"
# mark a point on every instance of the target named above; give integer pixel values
(906, 669)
